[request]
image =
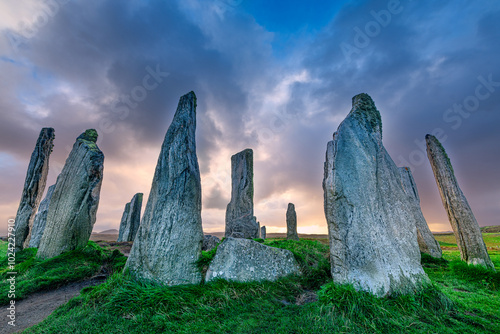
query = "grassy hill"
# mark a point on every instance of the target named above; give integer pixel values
(461, 299)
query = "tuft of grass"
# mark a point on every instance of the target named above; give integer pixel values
(34, 274)
(204, 261)
(313, 258)
(366, 308)
(388, 314)
(478, 274)
(428, 261)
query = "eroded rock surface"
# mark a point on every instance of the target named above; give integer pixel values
(73, 206)
(244, 260)
(131, 219)
(34, 186)
(209, 242)
(170, 236)
(41, 219)
(263, 232)
(426, 241)
(467, 232)
(371, 224)
(291, 223)
(240, 220)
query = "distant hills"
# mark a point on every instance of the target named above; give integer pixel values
(491, 229)
(485, 229)
(112, 231)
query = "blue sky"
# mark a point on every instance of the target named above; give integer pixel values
(274, 76)
(291, 17)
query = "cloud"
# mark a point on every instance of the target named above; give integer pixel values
(282, 93)
(421, 64)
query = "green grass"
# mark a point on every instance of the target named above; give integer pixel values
(492, 240)
(34, 274)
(3, 248)
(313, 259)
(460, 299)
(205, 259)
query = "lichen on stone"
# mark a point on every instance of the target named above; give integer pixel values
(89, 135)
(447, 158)
(89, 138)
(364, 107)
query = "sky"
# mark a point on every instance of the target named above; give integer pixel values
(274, 76)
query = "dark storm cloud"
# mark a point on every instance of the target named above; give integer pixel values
(103, 51)
(85, 66)
(430, 57)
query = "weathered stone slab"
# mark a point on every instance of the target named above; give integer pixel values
(240, 220)
(244, 260)
(170, 237)
(131, 219)
(73, 206)
(41, 219)
(34, 186)
(291, 223)
(426, 241)
(263, 232)
(371, 224)
(467, 232)
(209, 242)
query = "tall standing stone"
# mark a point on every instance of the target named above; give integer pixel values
(170, 237)
(34, 186)
(291, 223)
(131, 219)
(41, 219)
(73, 206)
(426, 241)
(263, 232)
(371, 224)
(467, 232)
(240, 221)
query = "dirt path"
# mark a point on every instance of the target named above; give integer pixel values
(40, 305)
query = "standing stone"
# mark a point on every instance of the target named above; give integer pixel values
(467, 232)
(291, 223)
(131, 219)
(426, 241)
(34, 186)
(170, 237)
(371, 224)
(240, 221)
(209, 242)
(73, 206)
(41, 219)
(244, 260)
(263, 232)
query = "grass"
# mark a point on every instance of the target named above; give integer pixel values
(313, 259)
(3, 249)
(460, 299)
(448, 240)
(35, 275)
